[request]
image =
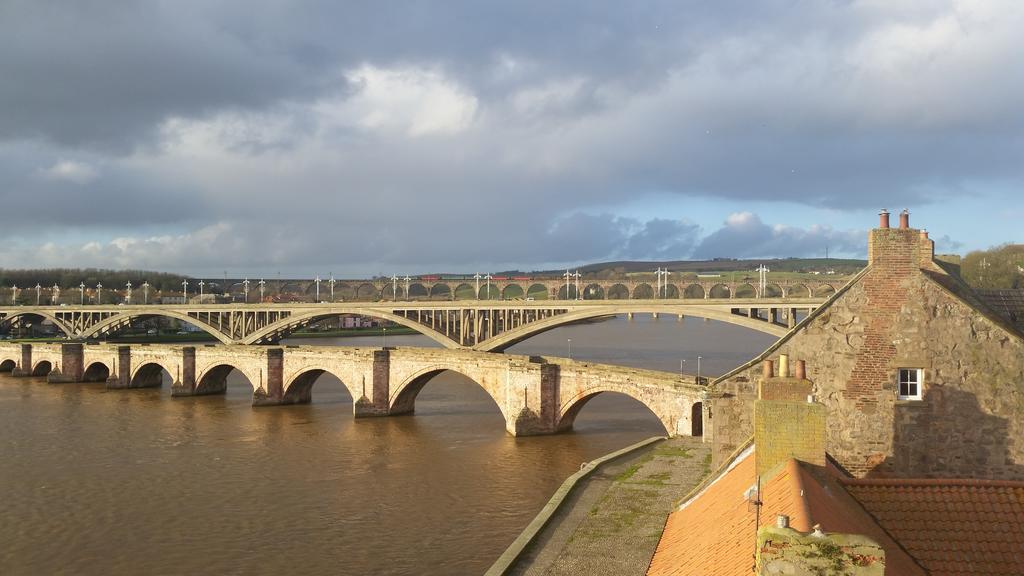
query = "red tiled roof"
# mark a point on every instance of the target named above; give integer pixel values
(714, 534)
(952, 527)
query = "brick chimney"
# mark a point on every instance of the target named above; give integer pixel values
(788, 422)
(900, 248)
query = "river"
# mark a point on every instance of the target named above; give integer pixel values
(135, 482)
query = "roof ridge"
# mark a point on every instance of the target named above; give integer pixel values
(931, 482)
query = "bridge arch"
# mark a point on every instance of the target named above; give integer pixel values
(41, 315)
(286, 326)
(798, 291)
(121, 321)
(511, 337)
(571, 407)
(150, 374)
(367, 291)
(772, 291)
(643, 291)
(96, 372)
(418, 290)
(618, 292)
(441, 290)
(746, 290)
(824, 291)
(465, 291)
(299, 388)
(537, 291)
(8, 365)
(567, 292)
(214, 379)
(719, 291)
(694, 292)
(513, 292)
(669, 292)
(42, 368)
(593, 292)
(403, 398)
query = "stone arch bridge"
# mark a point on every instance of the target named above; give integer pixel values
(536, 395)
(481, 325)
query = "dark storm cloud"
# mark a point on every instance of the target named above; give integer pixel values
(744, 235)
(476, 133)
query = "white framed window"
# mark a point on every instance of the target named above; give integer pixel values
(909, 383)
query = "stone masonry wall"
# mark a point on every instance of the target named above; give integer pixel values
(970, 422)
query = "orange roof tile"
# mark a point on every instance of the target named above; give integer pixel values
(714, 532)
(952, 527)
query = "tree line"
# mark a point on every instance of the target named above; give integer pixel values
(1001, 267)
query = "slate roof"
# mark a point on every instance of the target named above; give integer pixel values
(713, 533)
(1007, 303)
(952, 527)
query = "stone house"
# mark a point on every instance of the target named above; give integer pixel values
(920, 376)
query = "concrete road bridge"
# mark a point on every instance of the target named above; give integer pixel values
(536, 395)
(482, 325)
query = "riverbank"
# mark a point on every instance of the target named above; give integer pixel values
(611, 521)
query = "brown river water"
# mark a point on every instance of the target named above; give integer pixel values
(135, 482)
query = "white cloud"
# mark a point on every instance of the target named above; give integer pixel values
(71, 171)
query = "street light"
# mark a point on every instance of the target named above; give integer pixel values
(681, 362)
(567, 275)
(569, 340)
(184, 291)
(385, 337)
(145, 292)
(407, 279)
(245, 290)
(317, 281)
(698, 369)
(576, 275)
(82, 288)
(128, 293)
(201, 284)
(331, 282)
(488, 278)
(394, 288)
(14, 294)
(262, 283)
(477, 277)
(99, 292)
(56, 294)
(39, 292)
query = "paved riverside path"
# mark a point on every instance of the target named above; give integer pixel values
(612, 521)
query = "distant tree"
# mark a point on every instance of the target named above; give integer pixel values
(1001, 267)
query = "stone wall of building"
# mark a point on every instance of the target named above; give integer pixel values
(904, 311)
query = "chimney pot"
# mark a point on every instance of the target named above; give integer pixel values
(905, 219)
(768, 368)
(783, 366)
(801, 370)
(924, 234)
(883, 218)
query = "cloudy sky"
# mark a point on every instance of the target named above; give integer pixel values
(402, 137)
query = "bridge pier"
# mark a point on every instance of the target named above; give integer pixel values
(377, 403)
(72, 365)
(273, 394)
(24, 369)
(186, 384)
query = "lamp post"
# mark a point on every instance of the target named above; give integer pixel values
(184, 291)
(99, 292)
(477, 277)
(576, 275)
(569, 341)
(698, 369)
(145, 292)
(201, 284)
(763, 275)
(245, 290)
(128, 293)
(39, 293)
(681, 362)
(407, 280)
(317, 282)
(56, 294)
(394, 288)
(664, 282)
(488, 278)
(14, 294)
(331, 282)
(82, 288)
(567, 275)
(385, 346)
(262, 283)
